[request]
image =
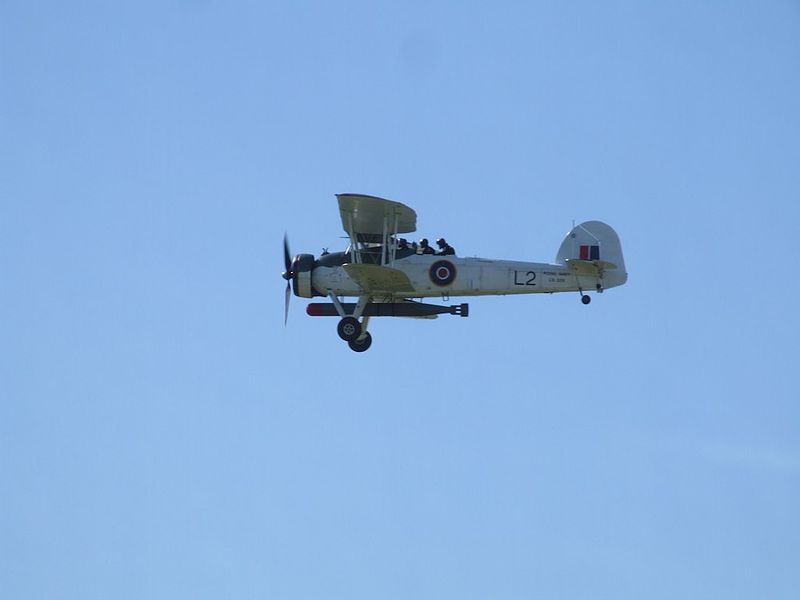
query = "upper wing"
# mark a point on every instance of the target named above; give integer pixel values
(375, 279)
(369, 216)
(588, 267)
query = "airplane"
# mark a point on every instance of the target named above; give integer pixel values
(389, 278)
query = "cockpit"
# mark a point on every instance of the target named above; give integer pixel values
(375, 253)
(368, 252)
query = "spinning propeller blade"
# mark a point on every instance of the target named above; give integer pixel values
(287, 257)
(286, 309)
(287, 275)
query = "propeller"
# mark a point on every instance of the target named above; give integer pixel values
(287, 275)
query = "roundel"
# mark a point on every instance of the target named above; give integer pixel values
(442, 272)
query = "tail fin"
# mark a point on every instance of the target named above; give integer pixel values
(595, 241)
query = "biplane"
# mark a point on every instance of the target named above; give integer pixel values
(388, 278)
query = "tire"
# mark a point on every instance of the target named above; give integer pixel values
(586, 299)
(349, 329)
(361, 345)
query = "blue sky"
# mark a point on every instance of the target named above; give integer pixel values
(162, 434)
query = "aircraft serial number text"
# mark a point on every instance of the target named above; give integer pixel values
(553, 277)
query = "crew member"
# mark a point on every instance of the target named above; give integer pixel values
(424, 248)
(445, 249)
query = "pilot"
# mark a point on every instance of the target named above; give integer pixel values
(424, 248)
(403, 244)
(445, 249)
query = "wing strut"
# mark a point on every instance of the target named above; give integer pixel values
(394, 246)
(355, 255)
(384, 253)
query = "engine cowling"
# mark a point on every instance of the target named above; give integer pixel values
(302, 266)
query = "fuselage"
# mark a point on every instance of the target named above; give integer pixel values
(433, 275)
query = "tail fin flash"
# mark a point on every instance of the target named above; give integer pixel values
(596, 242)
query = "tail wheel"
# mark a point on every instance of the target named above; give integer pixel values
(349, 329)
(362, 344)
(586, 299)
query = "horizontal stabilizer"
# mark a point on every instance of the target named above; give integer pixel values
(588, 267)
(375, 278)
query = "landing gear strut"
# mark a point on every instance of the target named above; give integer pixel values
(350, 329)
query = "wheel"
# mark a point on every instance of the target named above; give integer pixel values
(348, 329)
(362, 344)
(586, 299)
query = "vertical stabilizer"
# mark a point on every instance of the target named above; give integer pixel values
(595, 241)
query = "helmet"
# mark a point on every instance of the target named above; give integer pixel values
(423, 242)
(441, 243)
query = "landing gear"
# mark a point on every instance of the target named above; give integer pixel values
(355, 333)
(361, 344)
(349, 329)
(585, 298)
